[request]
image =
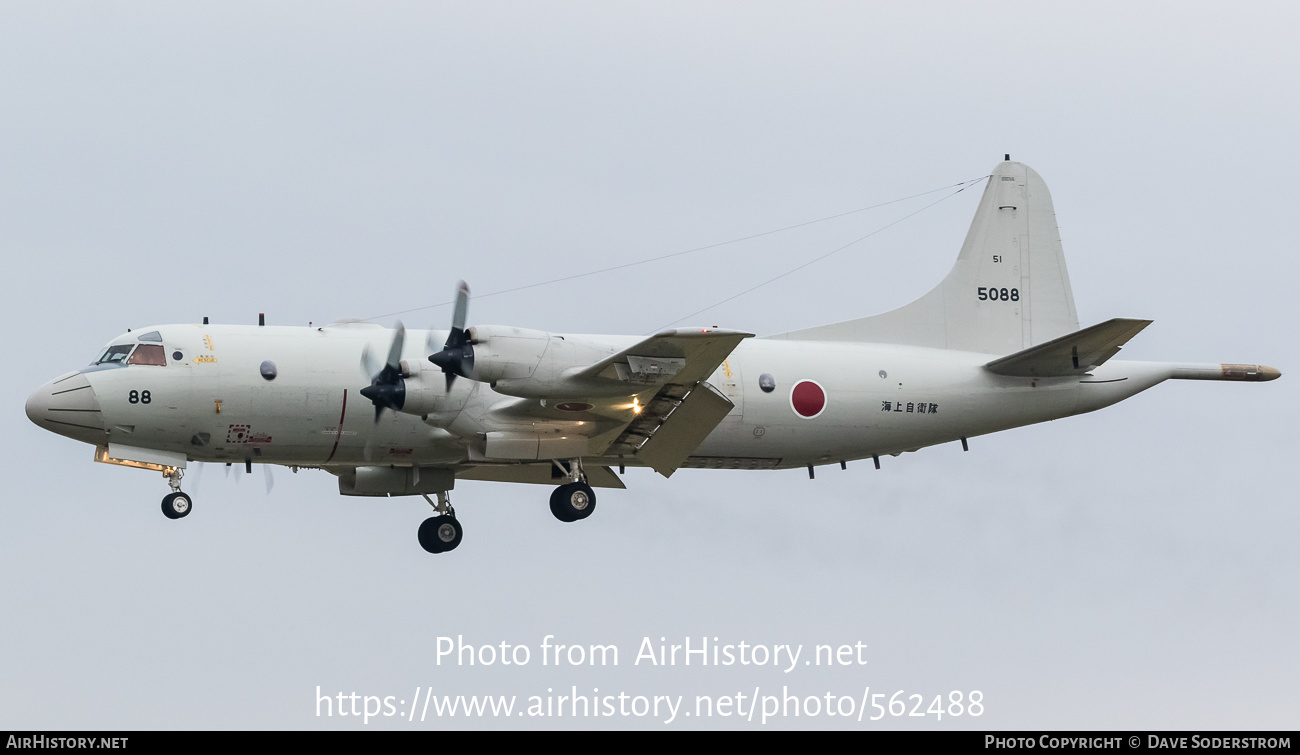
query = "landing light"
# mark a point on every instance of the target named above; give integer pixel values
(101, 456)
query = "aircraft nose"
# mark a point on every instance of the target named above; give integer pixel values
(67, 405)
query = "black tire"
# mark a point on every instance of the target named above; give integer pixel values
(572, 502)
(176, 505)
(439, 534)
(557, 509)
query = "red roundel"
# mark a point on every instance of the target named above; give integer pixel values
(807, 398)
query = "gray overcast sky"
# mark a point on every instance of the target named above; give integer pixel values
(1132, 568)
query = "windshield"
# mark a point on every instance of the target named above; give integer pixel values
(115, 354)
(122, 354)
(148, 354)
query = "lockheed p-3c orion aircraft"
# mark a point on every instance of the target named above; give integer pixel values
(995, 345)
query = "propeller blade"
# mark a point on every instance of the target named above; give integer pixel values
(387, 389)
(394, 362)
(457, 355)
(430, 345)
(462, 307)
(369, 366)
(270, 478)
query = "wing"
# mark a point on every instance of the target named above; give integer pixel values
(681, 357)
(648, 404)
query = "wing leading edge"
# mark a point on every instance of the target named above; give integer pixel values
(681, 357)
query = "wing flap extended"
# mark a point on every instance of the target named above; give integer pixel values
(621, 406)
(1071, 354)
(672, 425)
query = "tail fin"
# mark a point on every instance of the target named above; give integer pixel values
(1008, 291)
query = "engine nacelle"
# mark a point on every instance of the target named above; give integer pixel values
(506, 353)
(425, 390)
(525, 363)
(496, 354)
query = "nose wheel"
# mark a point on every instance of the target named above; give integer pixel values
(176, 505)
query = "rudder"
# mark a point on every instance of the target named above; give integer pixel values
(1008, 291)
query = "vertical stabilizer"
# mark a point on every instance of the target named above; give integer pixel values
(1008, 291)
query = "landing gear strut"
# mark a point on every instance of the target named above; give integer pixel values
(440, 533)
(176, 504)
(575, 499)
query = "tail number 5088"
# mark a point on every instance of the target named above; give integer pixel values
(998, 294)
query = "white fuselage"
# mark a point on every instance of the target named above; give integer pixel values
(210, 401)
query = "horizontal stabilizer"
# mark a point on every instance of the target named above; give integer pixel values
(1071, 354)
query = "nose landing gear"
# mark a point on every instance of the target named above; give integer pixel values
(176, 504)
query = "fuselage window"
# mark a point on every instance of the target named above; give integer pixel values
(148, 354)
(115, 354)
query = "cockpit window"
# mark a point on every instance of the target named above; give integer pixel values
(152, 335)
(115, 354)
(148, 354)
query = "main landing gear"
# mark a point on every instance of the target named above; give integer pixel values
(570, 502)
(176, 504)
(440, 533)
(575, 499)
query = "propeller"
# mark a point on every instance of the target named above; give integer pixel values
(387, 390)
(196, 477)
(198, 473)
(457, 355)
